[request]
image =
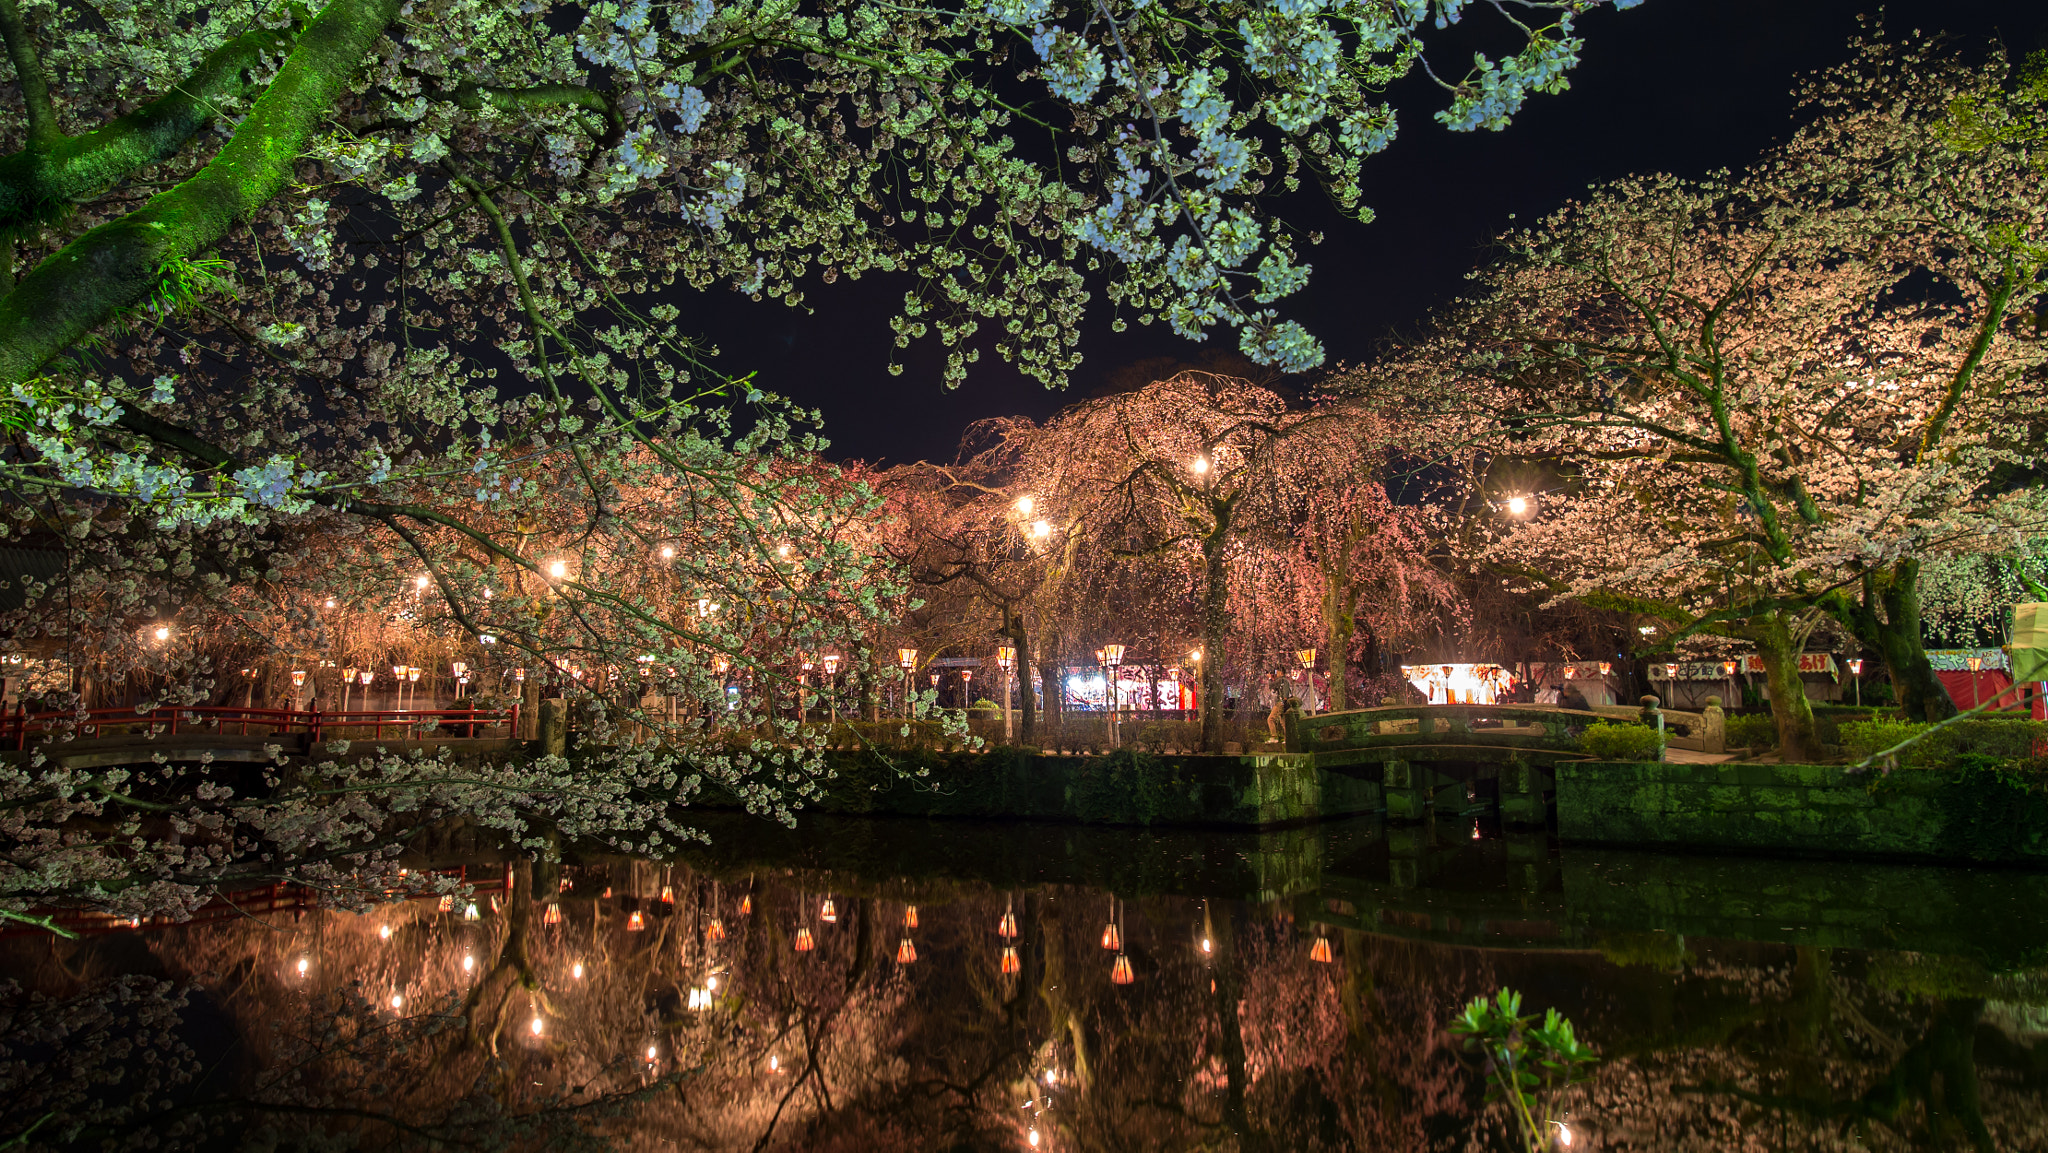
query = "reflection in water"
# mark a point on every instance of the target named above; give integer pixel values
(902, 986)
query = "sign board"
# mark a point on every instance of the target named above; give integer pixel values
(2030, 642)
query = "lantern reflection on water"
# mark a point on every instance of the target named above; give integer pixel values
(469, 912)
(910, 916)
(668, 895)
(746, 906)
(576, 971)
(1011, 963)
(635, 922)
(829, 914)
(906, 952)
(553, 915)
(804, 944)
(1111, 938)
(1007, 927)
(1120, 973)
(715, 930)
(384, 932)
(1320, 951)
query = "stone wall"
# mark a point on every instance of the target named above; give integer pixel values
(1924, 815)
(1122, 788)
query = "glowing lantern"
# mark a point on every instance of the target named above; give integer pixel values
(1728, 668)
(397, 1000)
(1605, 668)
(906, 952)
(1007, 927)
(829, 914)
(447, 904)
(576, 971)
(469, 912)
(384, 932)
(668, 895)
(804, 944)
(1120, 973)
(746, 906)
(304, 965)
(1320, 951)
(536, 1025)
(1011, 962)
(910, 916)
(469, 962)
(635, 922)
(1111, 938)
(715, 931)
(553, 915)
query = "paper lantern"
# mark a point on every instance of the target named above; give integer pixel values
(553, 915)
(804, 944)
(1120, 973)
(1007, 927)
(1011, 963)
(1111, 938)
(829, 914)
(715, 931)
(635, 922)
(910, 916)
(906, 952)
(1320, 951)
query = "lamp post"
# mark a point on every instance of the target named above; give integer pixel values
(1856, 678)
(398, 688)
(1111, 656)
(1201, 681)
(966, 688)
(412, 677)
(906, 659)
(461, 671)
(348, 681)
(803, 680)
(1006, 659)
(832, 685)
(1307, 657)
(1976, 664)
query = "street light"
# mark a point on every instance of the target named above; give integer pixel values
(1856, 672)
(1518, 506)
(348, 681)
(831, 663)
(1006, 659)
(907, 660)
(461, 671)
(1111, 656)
(412, 676)
(1976, 665)
(1307, 657)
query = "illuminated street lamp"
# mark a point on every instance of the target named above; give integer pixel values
(1307, 657)
(412, 677)
(348, 681)
(1111, 656)
(906, 659)
(1976, 665)
(831, 663)
(1856, 673)
(461, 671)
(1006, 659)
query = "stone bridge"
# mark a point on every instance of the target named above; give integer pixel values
(1407, 748)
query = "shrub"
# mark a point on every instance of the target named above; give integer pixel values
(1752, 731)
(2000, 741)
(1623, 742)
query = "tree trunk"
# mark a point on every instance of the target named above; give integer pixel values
(1921, 693)
(1339, 624)
(1215, 618)
(1020, 639)
(1789, 706)
(1049, 688)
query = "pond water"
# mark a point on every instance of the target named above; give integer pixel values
(881, 985)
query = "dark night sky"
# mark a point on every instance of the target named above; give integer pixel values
(1683, 86)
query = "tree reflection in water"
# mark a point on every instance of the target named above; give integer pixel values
(324, 1031)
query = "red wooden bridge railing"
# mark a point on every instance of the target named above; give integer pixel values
(19, 728)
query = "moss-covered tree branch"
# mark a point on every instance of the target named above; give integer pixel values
(64, 170)
(116, 266)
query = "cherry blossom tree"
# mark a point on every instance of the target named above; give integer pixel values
(1768, 415)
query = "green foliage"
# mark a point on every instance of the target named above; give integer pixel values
(1524, 1063)
(1622, 742)
(1752, 731)
(1130, 787)
(1665, 952)
(1972, 745)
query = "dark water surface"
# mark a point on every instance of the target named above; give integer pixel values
(1737, 1004)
